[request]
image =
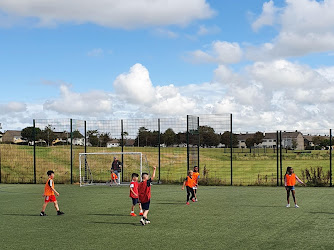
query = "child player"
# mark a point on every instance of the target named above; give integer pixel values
(113, 177)
(289, 183)
(144, 189)
(134, 194)
(195, 178)
(49, 194)
(189, 183)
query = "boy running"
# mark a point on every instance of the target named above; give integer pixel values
(49, 194)
(145, 195)
(134, 194)
(289, 183)
(189, 183)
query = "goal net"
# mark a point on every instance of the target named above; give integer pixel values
(95, 168)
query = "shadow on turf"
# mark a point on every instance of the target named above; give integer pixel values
(110, 214)
(116, 223)
(321, 213)
(23, 215)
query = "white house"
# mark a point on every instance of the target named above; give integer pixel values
(113, 143)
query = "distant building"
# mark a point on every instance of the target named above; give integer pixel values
(113, 143)
(12, 136)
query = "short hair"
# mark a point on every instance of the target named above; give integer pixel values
(190, 171)
(135, 175)
(143, 174)
(50, 172)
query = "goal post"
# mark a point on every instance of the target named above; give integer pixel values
(95, 168)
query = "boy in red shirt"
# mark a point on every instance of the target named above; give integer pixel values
(145, 195)
(49, 194)
(134, 194)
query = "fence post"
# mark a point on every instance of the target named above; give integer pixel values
(277, 158)
(159, 152)
(122, 141)
(85, 132)
(231, 142)
(34, 138)
(71, 128)
(187, 142)
(199, 143)
(280, 156)
(330, 157)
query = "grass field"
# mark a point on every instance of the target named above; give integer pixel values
(256, 168)
(224, 218)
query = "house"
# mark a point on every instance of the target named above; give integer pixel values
(289, 140)
(129, 143)
(113, 143)
(12, 136)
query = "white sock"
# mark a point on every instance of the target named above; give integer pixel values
(132, 212)
(141, 211)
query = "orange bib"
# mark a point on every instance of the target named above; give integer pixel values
(290, 180)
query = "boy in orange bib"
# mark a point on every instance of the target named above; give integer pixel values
(289, 183)
(49, 194)
(189, 184)
(113, 177)
(195, 178)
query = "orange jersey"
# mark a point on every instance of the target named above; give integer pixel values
(195, 177)
(290, 179)
(47, 189)
(114, 176)
(190, 182)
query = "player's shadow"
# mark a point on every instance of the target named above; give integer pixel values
(110, 215)
(33, 215)
(321, 213)
(116, 223)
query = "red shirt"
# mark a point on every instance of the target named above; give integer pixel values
(144, 189)
(134, 186)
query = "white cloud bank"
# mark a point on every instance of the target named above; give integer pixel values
(306, 26)
(111, 13)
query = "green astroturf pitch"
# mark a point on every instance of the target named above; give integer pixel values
(97, 217)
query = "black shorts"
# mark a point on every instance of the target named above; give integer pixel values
(134, 201)
(146, 205)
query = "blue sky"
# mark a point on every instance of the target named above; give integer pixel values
(101, 61)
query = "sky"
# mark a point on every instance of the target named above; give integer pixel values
(269, 63)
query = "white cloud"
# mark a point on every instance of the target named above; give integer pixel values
(221, 52)
(306, 26)
(93, 103)
(12, 107)
(165, 33)
(111, 13)
(95, 52)
(204, 30)
(267, 17)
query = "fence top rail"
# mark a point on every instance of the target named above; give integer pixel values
(111, 153)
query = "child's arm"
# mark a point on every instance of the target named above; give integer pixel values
(285, 184)
(184, 183)
(54, 190)
(153, 175)
(300, 181)
(131, 190)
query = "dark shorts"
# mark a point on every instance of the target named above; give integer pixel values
(290, 188)
(146, 206)
(134, 201)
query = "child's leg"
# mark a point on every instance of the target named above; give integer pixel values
(145, 214)
(192, 193)
(140, 208)
(288, 195)
(56, 205)
(132, 208)
(188, 193)
(44, 206)
(294, 196)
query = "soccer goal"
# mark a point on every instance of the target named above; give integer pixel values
(95, 167)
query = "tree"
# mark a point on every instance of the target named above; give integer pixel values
(258, 137)
(77, 134)
(28, 133)
(93, 137)
(181, 138)
(208, 137)
(169, 137)
(250, 142)
(294, 144)
(317, 140)
(48, 135)
(225, 139)
(104, 138)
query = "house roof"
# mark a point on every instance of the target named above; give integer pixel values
(12, 133)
